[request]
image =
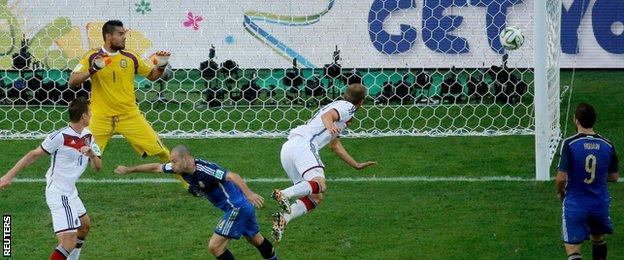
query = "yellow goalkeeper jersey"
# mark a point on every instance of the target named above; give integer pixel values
(112, 91)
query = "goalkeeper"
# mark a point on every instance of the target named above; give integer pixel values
(112, 69)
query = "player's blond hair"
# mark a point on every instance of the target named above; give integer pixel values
(355, 93)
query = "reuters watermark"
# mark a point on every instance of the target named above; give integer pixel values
(6, 235)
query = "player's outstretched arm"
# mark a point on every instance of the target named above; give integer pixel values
(337, 147)
(26, 161)
(560, 183)
(149, 167)
(254, 198)
(77, 78)
(160, 59)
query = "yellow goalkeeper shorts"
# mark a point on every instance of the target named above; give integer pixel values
(134, 128)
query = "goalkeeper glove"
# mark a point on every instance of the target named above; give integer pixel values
(99, 62)
(160, 59)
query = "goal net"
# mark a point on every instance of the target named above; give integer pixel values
(260, 68)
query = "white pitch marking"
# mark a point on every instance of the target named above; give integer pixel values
(276, 180)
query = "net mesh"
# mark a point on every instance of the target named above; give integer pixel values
(260, 68)
(553, 40)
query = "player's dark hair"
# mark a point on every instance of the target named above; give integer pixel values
(586, 115)
(355, 93)
(77, 107)
(109, 27)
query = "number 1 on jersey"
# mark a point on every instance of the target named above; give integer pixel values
(590, 168)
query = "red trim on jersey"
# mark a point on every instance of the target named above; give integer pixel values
(309, 203)
(76, 142)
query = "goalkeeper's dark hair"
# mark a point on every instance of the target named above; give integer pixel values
(77, 107)
(355, 93)
(109, 27)
(586, 115)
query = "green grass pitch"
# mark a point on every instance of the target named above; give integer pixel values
(357, 220)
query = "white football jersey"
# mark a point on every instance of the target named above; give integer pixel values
(315, 131)
(67, 163)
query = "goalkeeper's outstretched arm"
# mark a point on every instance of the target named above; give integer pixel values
(77, 78)
(155, 73)
(160, 59)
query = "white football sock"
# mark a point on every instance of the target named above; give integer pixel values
(297, 209)
(300, 189)
(75, 254)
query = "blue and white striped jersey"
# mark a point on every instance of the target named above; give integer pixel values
(209, 180)
(587, 159)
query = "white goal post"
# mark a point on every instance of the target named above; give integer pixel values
(547, 31)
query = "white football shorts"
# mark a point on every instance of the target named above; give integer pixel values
(301, 160)
(66, 210)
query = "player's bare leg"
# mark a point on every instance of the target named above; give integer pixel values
(263, 245)
(83, 231)
(316, 198)
(217, 246)
(67, 243)
(573, 251)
